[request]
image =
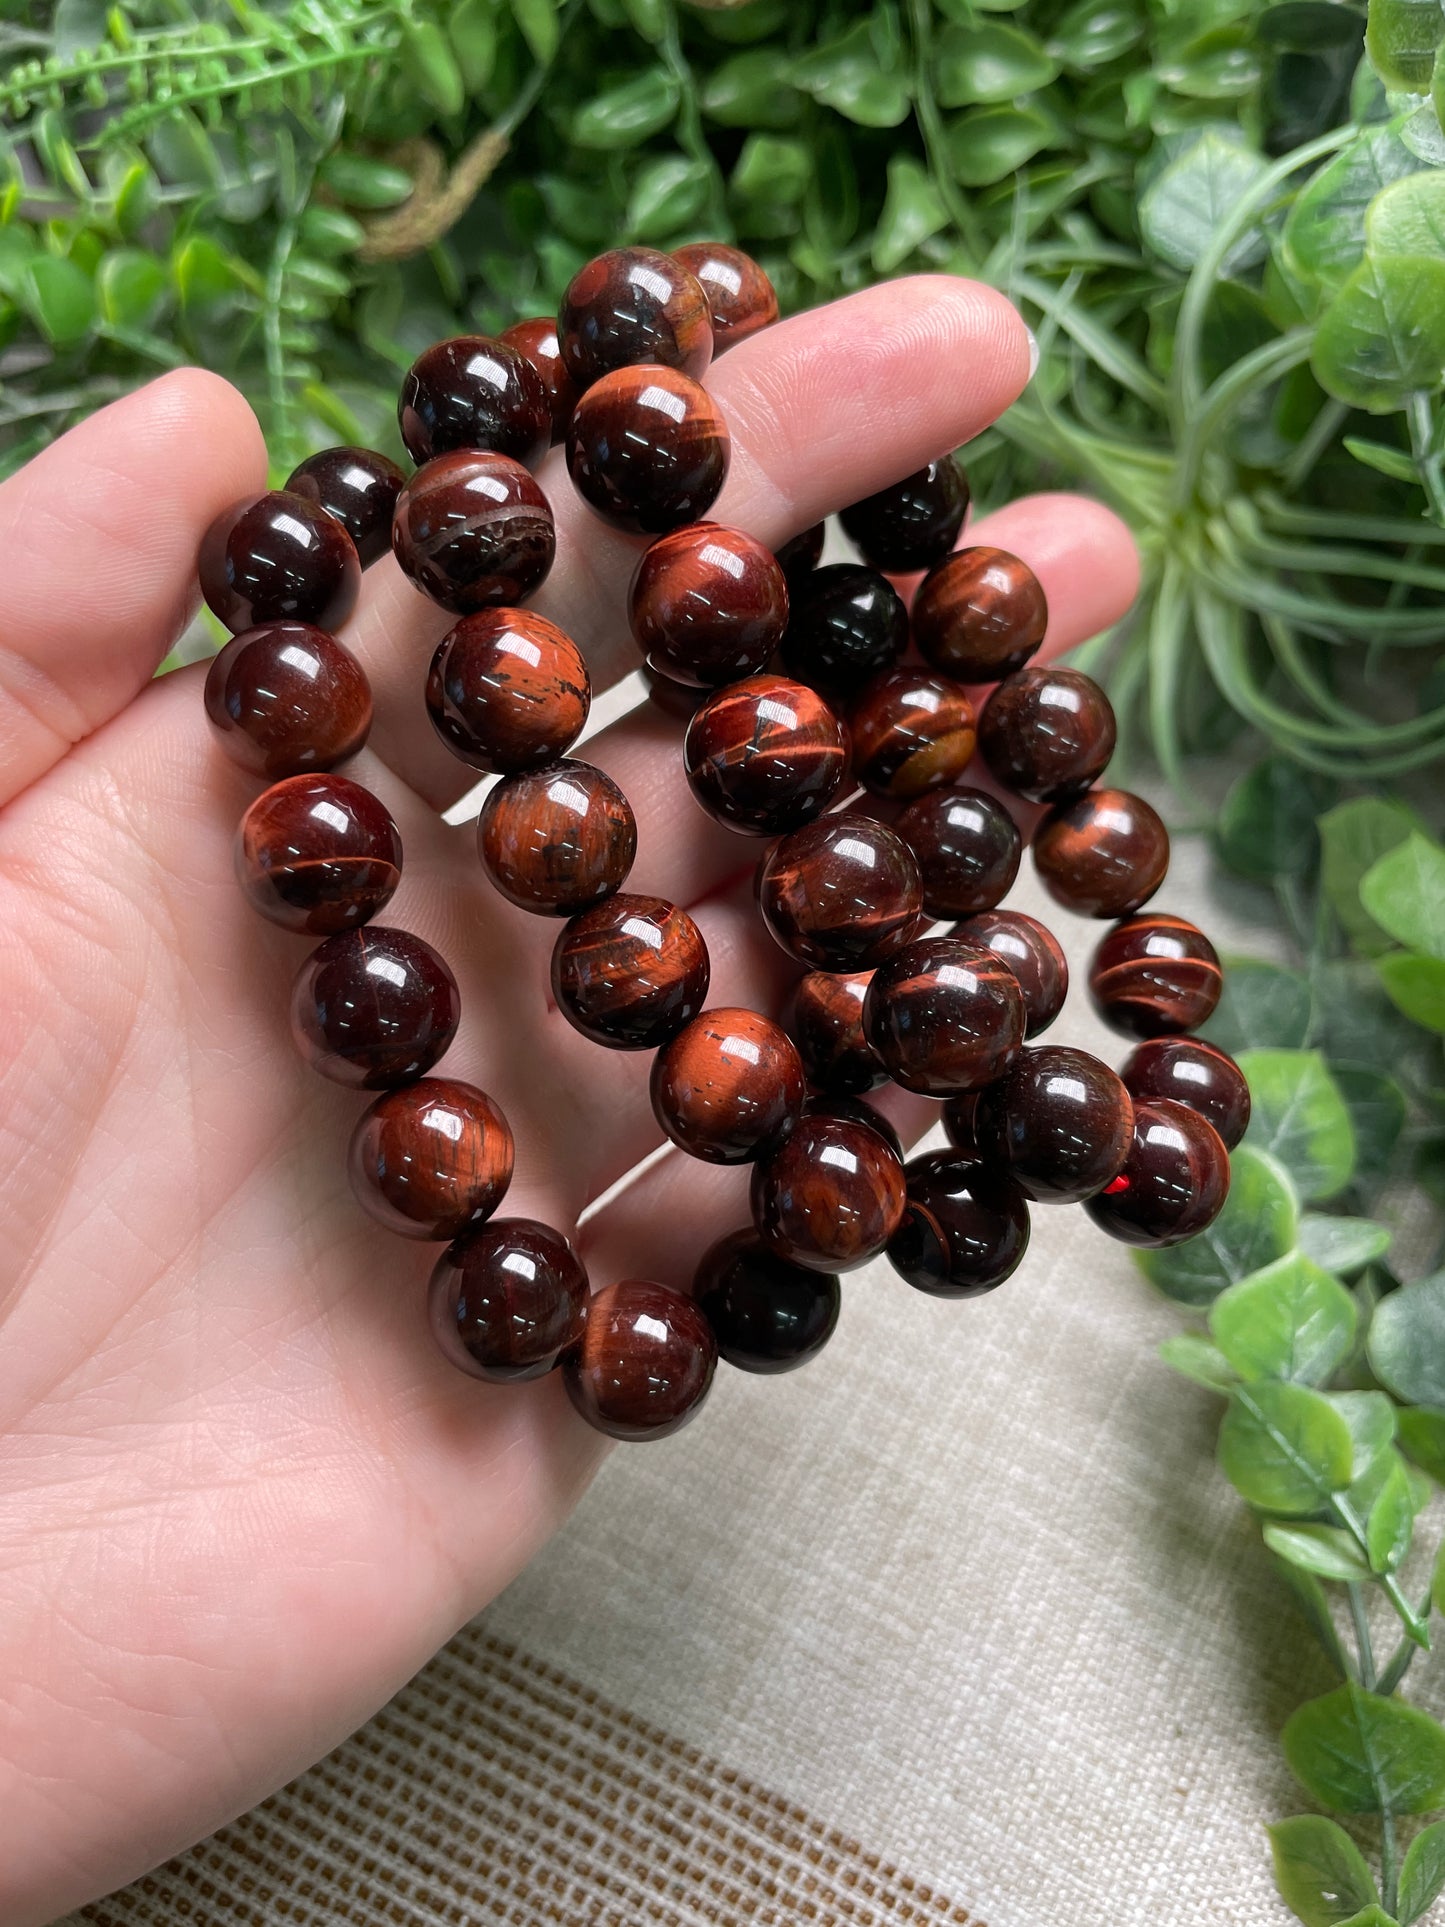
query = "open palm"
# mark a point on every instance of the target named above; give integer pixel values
(242, 1499)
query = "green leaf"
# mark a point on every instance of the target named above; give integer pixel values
(752, 90)
(427, 60)
(769, 181)
(1422, 1438)
(132, 286)
(1408, 217)
(993, 142)
(1188, 200)
(1401, 37)
(1404, 891)
(1095, 32)
(1343, 1245)
(667, 194)
(1320, 1872)
(989, 63)
(1416, 986)
(1324, 236)
(540, 25)
(60, 299)
(1284, 1448)
(1384, 459)
(1195, 1357)
(1371, 1917)
(649, 18)
(1298, 1116)
(1422, 1873)
(1290, 1320)
(1382, 338)
(1327, 1551)
(1370, 1421)
(472, 30)
(360, 181)
(1261, 1005)
(1353, 837)
(1391, 1520)
(846, 75)
(1377, 1111)
(1359, 1753)
(628, 114)
(1407, 1342)
(1257, 1225)
(1267, 821)
(913, 211)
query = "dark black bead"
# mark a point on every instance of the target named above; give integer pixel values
(767, 1315)
(847, 623)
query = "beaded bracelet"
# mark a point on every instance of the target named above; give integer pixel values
(793, 682)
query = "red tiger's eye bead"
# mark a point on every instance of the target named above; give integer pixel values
(359, 488)
(1174, 1181)
(846, 626)
(507, 1299)
(537, 341)
(727, 1085)
(828, 1197)
(1104, 855)
(287, 698)
(708, 604)
(374, 1007)
(944, 1015)
(1034, 955)
(826, 1019)
(766, 1314)
(1047, 734)
(964, 1229)
(634, 305)
(431, 1160)
(968, 849)
(915, 523)
(740, 297)
(979, 615)
(911, 732)
(1155, 976)
(631, 972)
(557, 840)
(765, 755)
(648, 450)
(473, 392)
(318, 854)
(798, 559)
(842, 893)
(1200, 1076)
(644, 1362)
(508, 691)
(474, 531)
(1060, 1120)
(279, 558)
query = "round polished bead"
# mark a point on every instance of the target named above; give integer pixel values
(630, 972)
(644, 1362)
(842, 893)
(1174, 1181)
(474, 531)
(766, 1314)
(740, 297)
(960, 1123)
(829, 1197)
(318, 854)
(648, 449)
(473, 392)
(557, 840)
(359, 488)
(855, 1111)
(508, 691)
(968, 849)
(1060, 1120)
(1103, 856)
(287, 698)
(727, 1085)
(798, 558)
(1155, 976)
(1200, 1076)
(431, 1160)
(708, 604)
(634, 305)
(1033, 953)
(825, 1016)
(765, 755)
(1047, 733)
(847, 625)
(507, 1299)
(915, 523)
(374, 1007)
(537, 341)
(911, 732)
(944, 1015)
(279, 558)
(964, 1229)
(979, 615)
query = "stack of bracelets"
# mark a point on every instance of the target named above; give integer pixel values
(793, 682)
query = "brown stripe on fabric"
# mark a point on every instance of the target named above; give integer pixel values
(496, 1789)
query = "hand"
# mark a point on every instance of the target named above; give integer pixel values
(242, 1498)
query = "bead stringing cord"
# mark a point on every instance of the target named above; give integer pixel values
(888, 992)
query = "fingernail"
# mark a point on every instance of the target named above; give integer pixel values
(1033, 352)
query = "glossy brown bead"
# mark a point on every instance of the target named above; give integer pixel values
(278, 558)
(842, 893)
(557, 840)
(944, 1015)
(1047, 733)
(508, 691)
(766, 1314)
(630, 306)
(537, 341)
(287, 698)
(708, 604)
(830, 1196)
(648, 450)
(374, 1007)
(474, 531)
(1200, 1076)
(318, 854)
(727, 1085)
(1174, 1181)
(1033, 953)
(359, 488)
(507, 1299)
(911, 732)
(964, 1229)
(740, 297)
(960, 1123)
(765, 755)
(968, 849)
(825, 1016)
(631, 972)
(1155, 976)
(474, 392)
(800, 557)
(856, 1111)
(1060, 1120)
(979, 615)
(847, 624)
(1103, 856)
(431, 1160)
(915, 523)
(643, 1363)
